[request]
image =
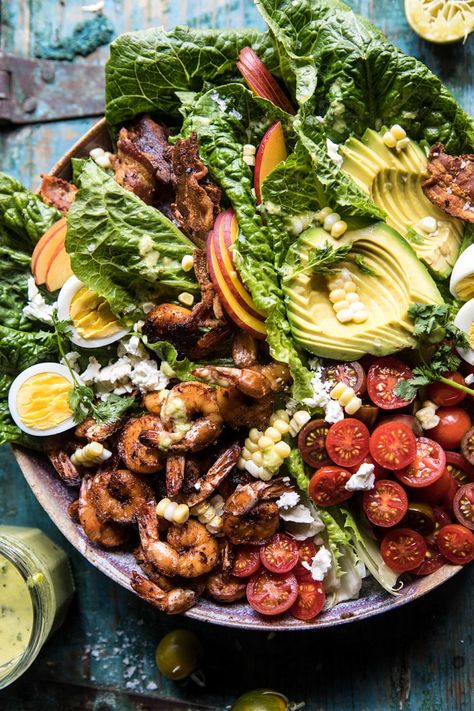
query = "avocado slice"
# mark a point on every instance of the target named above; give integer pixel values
(399, 279)
(393, 181)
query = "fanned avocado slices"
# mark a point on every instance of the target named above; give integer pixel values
(393, 180)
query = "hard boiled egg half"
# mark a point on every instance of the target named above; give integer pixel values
(465, 321)
(93, 323)
(461, 284)
(38, 399)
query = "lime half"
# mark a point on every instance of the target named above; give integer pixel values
(441, 20)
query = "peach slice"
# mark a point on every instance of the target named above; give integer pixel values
(59, 270)
(46, 250)
(271, 152)
(260, 81)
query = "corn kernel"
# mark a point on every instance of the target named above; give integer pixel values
(331, 220)
(389, 139)
(338, 229)
(346, 396)
(254, 434)
(350, 286)
(272, 460)
(402, 144)
(283, 449)
(257, 458)
(250, 160)
(301, 417)
(281, 426)
(345, 275)
(251, 446)
(281, 415)
(273, 433)
(181, 514)
(240, 463)
(357, 306)
(186, 298)
(344, 316)
(322, 214)
(255, 470)
(428, 224)
(335, 284)
(398, 132)
(340, 305)
(352, 297)
(337, 391)
(246, 454)
(161, 507)
(265, 442)
(336, 295)
(187, 262)
(249, 149)
(353, 405)
(170, 511)
(207, 515)
(360, 316)
(265, 474)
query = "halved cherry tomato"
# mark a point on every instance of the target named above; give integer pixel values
(403, 549)
(464, 505)
(427, 467)
(246, 561)
(386, 504)
(379, 472)
(456, 543)
(433, 561)
(459, 467)
(453, 424)
(312, 443)
(367, 414)
(272, 594)
(382, 378)
(467, 446)
(307, 552)
(310, 600)
(352, 374)
(393, 445)
(280, 554)
(420, 517)
(441, 492)
(409, 420)
(347, 442)
(446, 395)
(328, 486)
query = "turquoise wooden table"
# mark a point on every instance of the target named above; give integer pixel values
(419, 658)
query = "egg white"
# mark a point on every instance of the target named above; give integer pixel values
(463, 267)
(20, 380)
(463, 320)
(67, 293)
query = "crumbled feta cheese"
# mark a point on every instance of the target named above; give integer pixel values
(147, 376)
(427, 416)
(333, 152)
(71, 359)
(320, 565)
(288, 500)
(469, 379)
(91, 373)
(115, 372)
(321, 398)
(363, 479)
(301, 521)
(37, 309)
(132, 347)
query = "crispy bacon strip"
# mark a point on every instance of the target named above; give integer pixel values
(57, 192)
(197, 199)
(450, 184)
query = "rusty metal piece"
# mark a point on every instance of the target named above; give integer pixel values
(39, 90)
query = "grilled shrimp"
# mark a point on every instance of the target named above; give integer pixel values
(137, 456)
(61, 461)
(118, 495)
(225, 589)
(153, 401)
(215, 475)
(256, 527)
(95, 431)
(189, 550)
(244, 350)
(168, 322)
(173, 602)
(175, 470)
(247, 380)
(239, 410)
(246, 496)
(155, 576)
(106, 534)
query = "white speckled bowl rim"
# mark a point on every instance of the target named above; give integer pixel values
(55, 497)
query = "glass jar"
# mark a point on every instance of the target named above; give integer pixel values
(36, 586)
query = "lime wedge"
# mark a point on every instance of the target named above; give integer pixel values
(441, 20)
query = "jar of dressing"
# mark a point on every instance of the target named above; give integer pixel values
(36, 586)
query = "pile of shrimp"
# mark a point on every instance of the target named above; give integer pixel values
(185, 448)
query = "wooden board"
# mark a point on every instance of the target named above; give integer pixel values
(419, 658)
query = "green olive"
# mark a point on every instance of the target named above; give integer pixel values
(178, 654)
(261, 700)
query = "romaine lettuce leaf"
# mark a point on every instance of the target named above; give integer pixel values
(146, 69)
(20, 349)
(23, 213)
(121, 248)
(341, 67)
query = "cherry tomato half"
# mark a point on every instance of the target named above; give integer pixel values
(403, 549)
(453, 424)
(467, 446)
(280, 554)
(437, 492)
(409, 420)
(272, 594)
(427, 467)
(420, 517)
(383, 376)
(379, 472)
(386, 504)
(352, 374)
(433, 561)
(463, 505)
(459, 467)
(246, 561)
(312, 443)
(307, 552)
(310, 600)
(456, 543)
(393, 445)
(347, 442)
(446, 395)
(328, 486)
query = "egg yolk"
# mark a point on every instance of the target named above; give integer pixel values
(470, 334)
(465, 288)
(42, 401)
(91, 315)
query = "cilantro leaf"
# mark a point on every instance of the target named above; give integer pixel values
(112, 409)
(362, 265)
(322, 260)
(81, 402)
(433, 323)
